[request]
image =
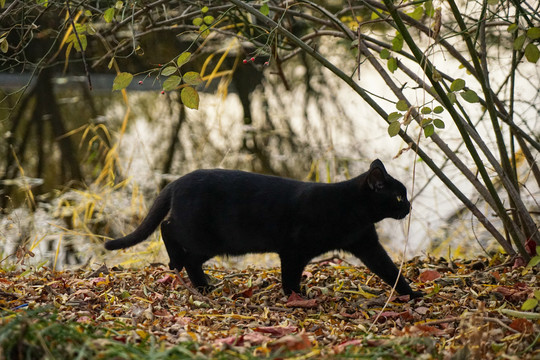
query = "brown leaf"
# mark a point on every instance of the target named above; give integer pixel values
(429, 275)
(522, 325)
(276, 330)
(244, 294)
(292, 342)
(296, 300)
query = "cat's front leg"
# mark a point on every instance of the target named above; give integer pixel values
(292, 266)
(373, 255)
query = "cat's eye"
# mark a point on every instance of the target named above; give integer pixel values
(399, 198)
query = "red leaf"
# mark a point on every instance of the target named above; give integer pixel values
(519, 262)
(232, 340)
(387, 315)
(530, 246)
(244, 294)
(296, 300)
(292, 342)
(276, 330)
(429, 275)
(166, 279)
(516, 293)
(522, 325)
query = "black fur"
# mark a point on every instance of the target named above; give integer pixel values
(224, 212)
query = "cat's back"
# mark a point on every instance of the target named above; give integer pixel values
(231, 182)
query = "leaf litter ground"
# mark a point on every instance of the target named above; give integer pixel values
(472, 309)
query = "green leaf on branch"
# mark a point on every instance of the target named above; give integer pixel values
(190, 97)
(452, 97)
(457, 85)
(430, 10)
(265, 10)
(470, 96)
(392, 64)
(532, 53)
(108, 15)
(208, 20)
(198, 21)
(204, 10)
(439, 124)
(438, 109)
(533, 33)
(169, 70)
(529, 304)
(122, 81)
(417, 13)
(183, 58)
(534, 261)
(385, 54)
(394, 116)
(426, 110)
(429, 130)
(204, 30)
(401, 105)
(393, 128)
(518, 43)
(171, 83)
(119, 5)
(512, 28)
(397, 42)
(192, 78)
(4, 45)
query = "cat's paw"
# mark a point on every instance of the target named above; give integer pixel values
(205, 290)
(417, 294)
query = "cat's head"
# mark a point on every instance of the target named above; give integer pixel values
(389, 196)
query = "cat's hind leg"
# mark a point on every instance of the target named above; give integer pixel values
(193, 264)
(176, 253)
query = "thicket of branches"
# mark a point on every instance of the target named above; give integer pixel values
(415, 47)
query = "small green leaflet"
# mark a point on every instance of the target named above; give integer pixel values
(533, 33)
(198, 21)
(532, 53)
(385, 54)
(438, 109)
(425, 110)
(397, 42)
(208, 20)
(183, 58)
(417, 13)
(82, 38)
(457, 85)
(265, 10)
(429, 130)
(108, 15)
(169, 70)
(190, 97)
(192, 78)
(4, 46)
(122, 81)
(518, 43)
(439, 124)
(470, 96)
(393, 128)
(394, 116)
(204, 10)
(512, 28)
(2, 3)
(401, 105)
(392, 64)
(529, 304)
(171, 83)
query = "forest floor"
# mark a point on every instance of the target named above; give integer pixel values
(478, 309)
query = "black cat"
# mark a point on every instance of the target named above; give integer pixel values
(225, 212)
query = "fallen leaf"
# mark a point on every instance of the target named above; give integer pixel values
(296, 300)
(276, 330)
(292, 342)
(522, 325)
(428, 275)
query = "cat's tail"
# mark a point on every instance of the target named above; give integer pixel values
(157, 213)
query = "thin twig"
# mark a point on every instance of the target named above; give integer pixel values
(80, 45)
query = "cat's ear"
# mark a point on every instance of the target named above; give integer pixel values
(376, 175)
